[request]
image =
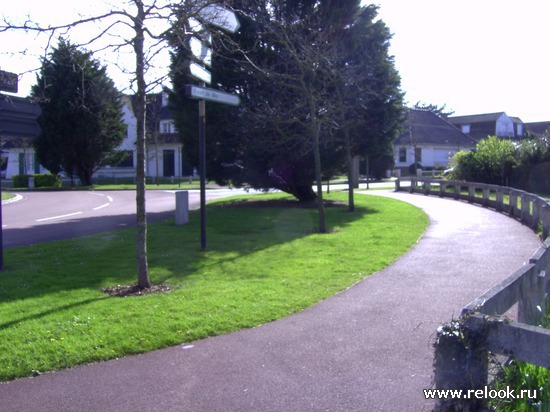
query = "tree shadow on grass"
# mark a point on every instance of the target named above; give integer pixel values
(238, 228)
(235, 228)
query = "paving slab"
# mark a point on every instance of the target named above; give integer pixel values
(368, 348)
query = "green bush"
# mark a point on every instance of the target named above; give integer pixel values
(40, 180)
(20, 180)
(49, 180)
(492, 161)
(524, 166)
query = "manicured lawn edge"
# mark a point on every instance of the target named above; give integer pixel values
(263, 262)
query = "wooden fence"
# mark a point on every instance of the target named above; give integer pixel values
(462, 347)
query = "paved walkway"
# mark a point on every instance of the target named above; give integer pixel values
(368, 348)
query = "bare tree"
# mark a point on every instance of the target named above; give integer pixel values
(143, 27)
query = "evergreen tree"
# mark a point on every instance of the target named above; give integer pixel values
(81, 116)
(292, 59)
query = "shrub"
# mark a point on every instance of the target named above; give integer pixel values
(463, 167)
(491, 162)
(49, 180)
(20, 180)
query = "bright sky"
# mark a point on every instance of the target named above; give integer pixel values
(475, 56)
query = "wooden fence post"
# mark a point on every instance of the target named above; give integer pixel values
(460, 362)
(531, 305)
(471, 193)
(500, 200)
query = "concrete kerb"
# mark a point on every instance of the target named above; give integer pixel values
(17, 198)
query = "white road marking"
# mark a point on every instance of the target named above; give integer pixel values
(78, 213)
(102, 206)
(58, 217)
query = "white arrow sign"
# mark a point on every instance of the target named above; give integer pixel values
(221, 17)
(204, 93)
(200, 73)
(201, 51)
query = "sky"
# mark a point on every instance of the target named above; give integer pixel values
(473, 56)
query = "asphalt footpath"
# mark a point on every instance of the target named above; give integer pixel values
(368, 348)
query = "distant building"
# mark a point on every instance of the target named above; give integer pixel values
(429, 140)
(18, 128)
(479, 126)
(538, 128)
(164, 148)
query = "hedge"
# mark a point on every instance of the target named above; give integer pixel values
(40, 180)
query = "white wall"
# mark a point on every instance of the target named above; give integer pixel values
(432, 156)
(505, 126)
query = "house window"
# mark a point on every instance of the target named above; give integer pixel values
(167, 126)
(126, 159)
(402, 155)
(418, 154)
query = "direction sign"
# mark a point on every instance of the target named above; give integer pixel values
(221, 17)
(200, 73)
(201, 51)
(8, 81)
(204, 93)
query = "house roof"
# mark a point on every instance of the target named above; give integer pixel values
(538, 128)
(425, 127)
(480, 118)
(18, 120)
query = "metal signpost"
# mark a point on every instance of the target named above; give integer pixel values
(8, 83)
(225, 19)
(213, 95)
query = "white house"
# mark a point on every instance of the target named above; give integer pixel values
(429, 140)
(18, 127)
(164, 149)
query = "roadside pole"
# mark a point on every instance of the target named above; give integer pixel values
(1, 223)
(8, 83)
(202, 168)
(199, 44)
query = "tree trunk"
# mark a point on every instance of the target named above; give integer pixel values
(349, 159)
(304, 193)
(141, 215)
(318, 177)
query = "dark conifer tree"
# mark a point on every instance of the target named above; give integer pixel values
(81, 116)
(292, 58)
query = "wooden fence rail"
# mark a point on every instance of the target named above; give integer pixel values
(462, 346)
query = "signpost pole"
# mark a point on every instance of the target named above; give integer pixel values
(225, 19)
(1, 223)
(202, 168)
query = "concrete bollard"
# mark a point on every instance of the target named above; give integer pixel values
(182, 207)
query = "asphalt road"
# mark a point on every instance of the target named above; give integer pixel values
(368, 348)
(45, 216)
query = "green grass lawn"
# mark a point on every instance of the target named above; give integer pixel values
(264, 261)
(7, 196)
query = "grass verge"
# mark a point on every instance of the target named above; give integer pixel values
(264, 261)
(7, 196)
